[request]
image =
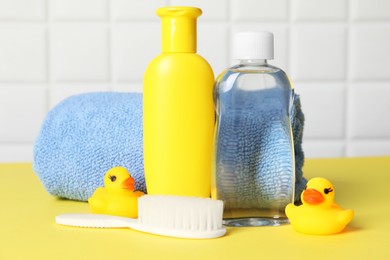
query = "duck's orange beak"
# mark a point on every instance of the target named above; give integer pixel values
(313, 197)
(128, 184)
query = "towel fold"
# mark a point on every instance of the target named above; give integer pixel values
(85, 135)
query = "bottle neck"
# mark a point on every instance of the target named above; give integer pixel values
(179, 28)
(254, 62)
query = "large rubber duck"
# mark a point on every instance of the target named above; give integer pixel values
(118, 197)
(318, 214)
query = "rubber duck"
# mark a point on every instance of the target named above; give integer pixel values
(118, 196)
(318, 214)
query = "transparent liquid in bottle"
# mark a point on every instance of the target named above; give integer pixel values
(253, 149)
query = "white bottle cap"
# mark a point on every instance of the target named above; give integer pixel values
(253, 46)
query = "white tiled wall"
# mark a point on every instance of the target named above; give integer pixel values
(336, 52)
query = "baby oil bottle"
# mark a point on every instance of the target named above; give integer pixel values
(178, 110)
(253, 153)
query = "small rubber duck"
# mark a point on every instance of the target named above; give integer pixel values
(118, 197)
(318, 214)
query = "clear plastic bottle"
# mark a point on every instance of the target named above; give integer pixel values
(254, 164)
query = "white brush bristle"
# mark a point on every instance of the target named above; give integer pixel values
(180, 213)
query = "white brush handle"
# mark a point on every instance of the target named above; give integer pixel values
(94, 221)
(107, 221)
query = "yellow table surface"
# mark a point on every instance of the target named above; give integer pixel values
(28, 229)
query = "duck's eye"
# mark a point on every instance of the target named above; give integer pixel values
(327, 190)
(112, 178)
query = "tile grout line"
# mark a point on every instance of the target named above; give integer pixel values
(289, 35)
(110, 26)
(347, 88)
(48, 56)
(229, 24)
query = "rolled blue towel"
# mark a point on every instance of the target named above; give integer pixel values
(85, 135)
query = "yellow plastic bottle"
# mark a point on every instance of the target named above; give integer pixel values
(178, 110)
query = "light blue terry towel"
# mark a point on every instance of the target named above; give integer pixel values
(254, 159)
(85, 135)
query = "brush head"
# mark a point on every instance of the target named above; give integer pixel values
(179, 216)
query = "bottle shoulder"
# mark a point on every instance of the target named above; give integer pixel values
(252, 68)
(252, 74)
(179, 56)
(179, 63)
(250, 81)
